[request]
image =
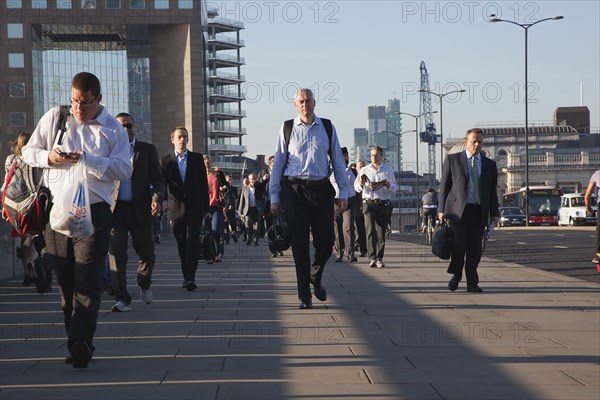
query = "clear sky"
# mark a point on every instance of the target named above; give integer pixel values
(356, 54)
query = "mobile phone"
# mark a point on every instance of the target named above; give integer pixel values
(68, 155)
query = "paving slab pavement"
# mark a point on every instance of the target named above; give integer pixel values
(392, 333)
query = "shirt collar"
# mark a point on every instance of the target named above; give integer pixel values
(469, 155)
(184, 155)
(316, 121)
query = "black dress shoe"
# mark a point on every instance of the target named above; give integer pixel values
(474, 289)
(81, 353)
(320, 292)
(339, 259)
(69, 358)
(352, 259)
(191, 286)
(453, 284)
(306, 305)
(184, 284)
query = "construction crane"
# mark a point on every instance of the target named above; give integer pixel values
(429, 134)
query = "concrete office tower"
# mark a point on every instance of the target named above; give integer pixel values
(148, 55)
(225, 95)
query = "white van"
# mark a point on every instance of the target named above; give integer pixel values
(572, 210)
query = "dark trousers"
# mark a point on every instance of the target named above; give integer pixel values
(361, 232)
(344, 228)
(253, 218)
(377, 218)
(78, 264)
(231, 224)
(309, 209)
(466, 250)
(187, 231)
(124, 223)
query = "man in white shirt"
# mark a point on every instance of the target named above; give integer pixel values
(377, 184)
(99, 140)
(343, 222)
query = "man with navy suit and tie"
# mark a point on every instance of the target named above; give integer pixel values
(468, 199)
(136, 202)
(187, 201)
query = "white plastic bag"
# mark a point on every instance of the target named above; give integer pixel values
(71, 214)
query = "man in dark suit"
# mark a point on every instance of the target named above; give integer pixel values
(136, 201)
(468, 199)
(187, 204)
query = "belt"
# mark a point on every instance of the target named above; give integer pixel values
(307, 183)
(376, 202)
(124, 202)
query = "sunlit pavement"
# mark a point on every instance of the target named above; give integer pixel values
(391, 333)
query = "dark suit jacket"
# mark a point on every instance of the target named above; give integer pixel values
(147, 182)
(189, 199)
(455, 184)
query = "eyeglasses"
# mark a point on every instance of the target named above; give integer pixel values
(127, 126)
(82, 103)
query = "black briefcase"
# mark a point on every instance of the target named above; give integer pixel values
(206, 241)
(441, 244)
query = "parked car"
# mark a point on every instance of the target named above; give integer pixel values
(511, 216)
(572, 210)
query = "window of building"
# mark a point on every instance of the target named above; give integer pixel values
(113, 4)
(39, 4)
(18, 119)
(14, 31)
(161, 4)
(14, 4)
(16, 89)
(185, 4)
(88, 4)
(16, 60)
(64, 4)
(137, 4)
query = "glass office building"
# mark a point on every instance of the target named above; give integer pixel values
(148, 54)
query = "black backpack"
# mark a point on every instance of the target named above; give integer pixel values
(287, 131)
(25, 201)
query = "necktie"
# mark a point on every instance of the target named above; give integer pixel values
(475, 175)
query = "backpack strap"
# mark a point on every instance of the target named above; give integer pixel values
(62, 123)
(287, 132)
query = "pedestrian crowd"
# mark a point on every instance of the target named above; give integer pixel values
(309, 184)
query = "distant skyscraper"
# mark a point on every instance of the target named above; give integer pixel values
(394, 124)
(361, 140)
(381, 121)
(376, 121)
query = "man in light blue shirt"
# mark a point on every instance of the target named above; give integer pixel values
(300, 186)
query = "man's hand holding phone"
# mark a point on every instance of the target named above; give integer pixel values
(58, 157)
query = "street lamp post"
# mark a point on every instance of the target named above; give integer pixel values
(525, 27)
(418, 190)
(398, 136)
(441, 97)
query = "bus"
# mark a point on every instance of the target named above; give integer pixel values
(544, 202)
